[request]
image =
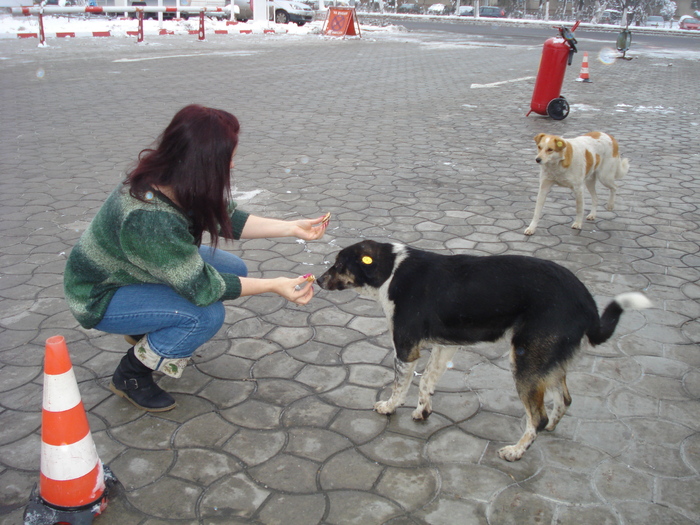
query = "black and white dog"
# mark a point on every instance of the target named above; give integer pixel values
(448, 300)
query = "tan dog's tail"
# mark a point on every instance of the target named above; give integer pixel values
(622, 168)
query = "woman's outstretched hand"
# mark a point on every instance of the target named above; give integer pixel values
(265, 228)
(311, 229)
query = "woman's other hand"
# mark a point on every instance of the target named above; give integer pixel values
(283, 286)
(299, 290)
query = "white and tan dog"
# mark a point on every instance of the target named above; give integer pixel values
(574, 162)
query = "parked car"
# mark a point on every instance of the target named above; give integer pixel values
(688, 22)
(409, 8)
(611, 16)
(655, 21)
(466, 10)
(491, 11)
(438, 9)
(286, 11)
(245, 12)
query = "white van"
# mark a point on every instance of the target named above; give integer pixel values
(611, 16)
(281, 11)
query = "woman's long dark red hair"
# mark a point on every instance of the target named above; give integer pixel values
(193, 157)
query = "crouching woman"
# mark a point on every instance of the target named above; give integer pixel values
(140, 267)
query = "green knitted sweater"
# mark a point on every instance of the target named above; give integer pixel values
(134, 242)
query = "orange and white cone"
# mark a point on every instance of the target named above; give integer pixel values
(73, 482)
(584, 77)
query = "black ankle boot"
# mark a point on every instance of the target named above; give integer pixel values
(133, 339)
(133, 381)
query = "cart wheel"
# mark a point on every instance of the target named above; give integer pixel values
(558, 108)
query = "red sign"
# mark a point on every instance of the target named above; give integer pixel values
(341, 21)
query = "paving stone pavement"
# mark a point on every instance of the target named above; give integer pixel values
(275, 422)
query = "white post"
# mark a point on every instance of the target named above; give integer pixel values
(546, 10)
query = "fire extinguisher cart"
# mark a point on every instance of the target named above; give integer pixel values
(557, 52)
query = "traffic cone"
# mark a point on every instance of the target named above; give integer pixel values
(583, 77)
(73, 483)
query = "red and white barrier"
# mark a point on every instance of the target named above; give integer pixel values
(98, 9)
(139, 10)
(243, 30)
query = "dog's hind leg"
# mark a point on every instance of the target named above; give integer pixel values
(609, 182)
(578, 194)
(610, 205)
(402, 381)
(532, 395)
(607, 176)
(590, 184)
(562, 398)
(437, 364)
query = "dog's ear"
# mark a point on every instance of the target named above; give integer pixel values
(568, 152)
(538, 137)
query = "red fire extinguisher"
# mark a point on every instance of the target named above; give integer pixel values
(556, 53)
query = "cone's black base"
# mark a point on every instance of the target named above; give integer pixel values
(39, 512)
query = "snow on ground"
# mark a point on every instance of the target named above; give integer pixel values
(81, 25)
(120, 27)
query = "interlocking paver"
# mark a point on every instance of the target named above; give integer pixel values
(274, 423)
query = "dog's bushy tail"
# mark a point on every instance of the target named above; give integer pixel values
(622, 168)
(611, 315)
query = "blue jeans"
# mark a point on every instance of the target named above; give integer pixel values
(175, 326)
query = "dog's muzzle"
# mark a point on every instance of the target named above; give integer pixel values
(323, 281)
(330, 281)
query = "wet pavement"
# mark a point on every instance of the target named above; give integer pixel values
(274, 423)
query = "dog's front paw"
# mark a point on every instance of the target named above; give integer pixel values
(591, 217)
(511, 453)
(576, 225)
(530, 230)
(421, 414)
(610, 206)
(384, 407)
